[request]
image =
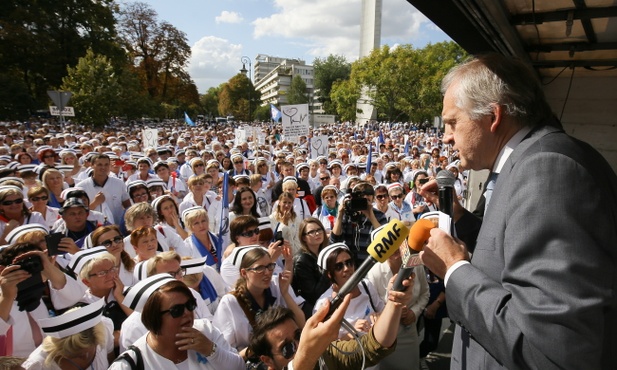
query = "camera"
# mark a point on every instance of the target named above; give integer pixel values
(31, 264)
(30, 291)
(356, 203)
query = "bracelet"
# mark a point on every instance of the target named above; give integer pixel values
(213, 350)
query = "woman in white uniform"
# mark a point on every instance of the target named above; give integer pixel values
(174, 339)
(83, 342)
(255, 291)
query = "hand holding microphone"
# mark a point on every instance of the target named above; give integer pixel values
(418, 235)
(386, 241)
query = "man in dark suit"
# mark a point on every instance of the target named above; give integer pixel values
(539, 291)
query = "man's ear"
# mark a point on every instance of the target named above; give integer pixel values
(496, 117)
(268, 361)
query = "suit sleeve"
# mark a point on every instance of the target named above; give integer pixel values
(547, 308)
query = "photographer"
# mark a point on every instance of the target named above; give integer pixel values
(356, 219)
(22, 305)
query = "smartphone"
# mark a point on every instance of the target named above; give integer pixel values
(278, 236)
(52, 241)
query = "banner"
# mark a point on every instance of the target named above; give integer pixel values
(295, 121)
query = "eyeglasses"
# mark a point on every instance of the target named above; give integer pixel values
(235, 162)
(42, 197)
(49, 156)
(381, 196)
(261, 268)
(181, 272)
(396, 196)
(178, 310)
(250, 233)
(105, 272)
(16, 201)
(289, 348)
(313, 233)
(339, 266)
(324, 178)
(140, 195)
(114, 240)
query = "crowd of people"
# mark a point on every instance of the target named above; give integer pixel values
(254, 216)
(207, 252)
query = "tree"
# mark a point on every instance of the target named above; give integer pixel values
(234, 98)
(95, 89)
(328, 71)
(39, 39)
(160, 54)
(209, 102)
(297, 91)
(344, 96)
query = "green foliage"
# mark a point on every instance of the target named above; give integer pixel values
(262, 113)
(237, 97)
(328, 71)
(209, 102)
(38, 39)
(159, 53)
(402, 83)
(95, 89)
(345, 95)
(297, 91)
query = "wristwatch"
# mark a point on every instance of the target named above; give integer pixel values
(213, 350)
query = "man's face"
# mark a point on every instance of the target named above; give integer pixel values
(283, 341)
(287, 171)
(75, 218)
(101, 167)
(473, 139)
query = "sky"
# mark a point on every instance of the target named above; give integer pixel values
(221, 32)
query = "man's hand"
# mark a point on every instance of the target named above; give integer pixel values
(442, 251)
(317, 335)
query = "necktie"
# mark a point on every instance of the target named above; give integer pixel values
(490, 185)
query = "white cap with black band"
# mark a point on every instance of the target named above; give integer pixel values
(73, 322)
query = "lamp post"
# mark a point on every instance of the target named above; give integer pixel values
(246, 60)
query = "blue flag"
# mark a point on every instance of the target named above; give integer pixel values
(188, 120)
(407, 147)
(275, 113)
(381, 139)
(224, 228)
(370, 158)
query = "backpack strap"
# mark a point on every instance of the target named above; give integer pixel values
(135, 364)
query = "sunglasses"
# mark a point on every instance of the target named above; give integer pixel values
(339, 266)
(261, 268)
(16, 201)
(397, 196)
(42, 197)
(324, 178)
(250, 233)
(178, 310)
(288, 350)
(114, 240)
(198, 165)
(314, 233)
(381, 196)
(237, 162)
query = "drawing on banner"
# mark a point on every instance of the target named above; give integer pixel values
(319, 146)
(240, 137)
(295, 121)
(150, 138)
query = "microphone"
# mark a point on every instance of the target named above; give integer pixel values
(418, 235)
(386, 241)
(445, 183)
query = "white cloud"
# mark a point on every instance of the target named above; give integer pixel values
(228, 17)
(213, 61)
(333, 26)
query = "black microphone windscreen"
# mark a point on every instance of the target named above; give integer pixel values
(445, 178)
